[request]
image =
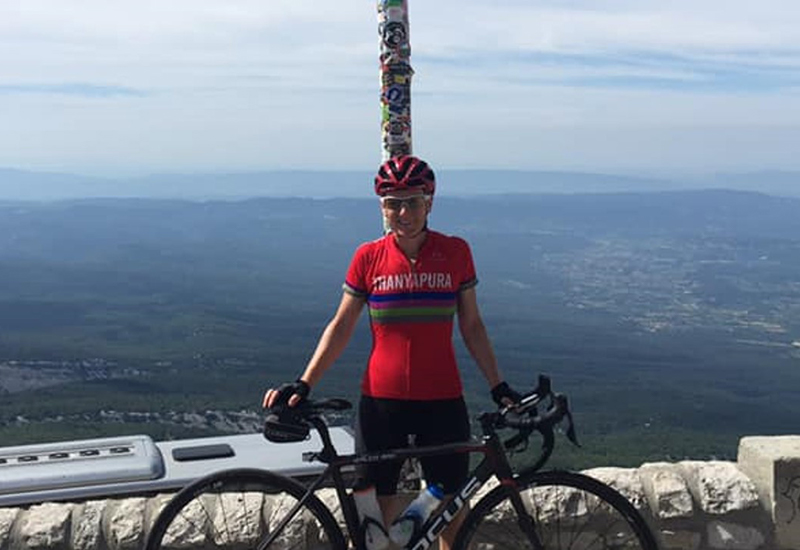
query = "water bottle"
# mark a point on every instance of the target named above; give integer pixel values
(370, 518)
(411, 521)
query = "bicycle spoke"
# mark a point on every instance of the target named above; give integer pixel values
(584, 530)
(568, 512)
(225, 528)
(235, 510)
(559, 516)
(583, 508)
(615, 533)
(239, 516)
(188, 531)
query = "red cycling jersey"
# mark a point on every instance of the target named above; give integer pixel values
(411, 308)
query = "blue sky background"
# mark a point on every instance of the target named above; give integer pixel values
(641, 86)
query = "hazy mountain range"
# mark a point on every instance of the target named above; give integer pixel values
(30, 185)
(665, 316)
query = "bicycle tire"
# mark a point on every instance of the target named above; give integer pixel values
(566, 510)
(236, 509)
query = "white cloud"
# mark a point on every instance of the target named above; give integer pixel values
(245, 84)
(626, 26)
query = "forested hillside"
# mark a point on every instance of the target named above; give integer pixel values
(671, 319)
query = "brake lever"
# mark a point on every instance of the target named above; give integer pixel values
(571, 430)
(543, 386)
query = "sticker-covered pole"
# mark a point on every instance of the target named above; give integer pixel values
(396, 75)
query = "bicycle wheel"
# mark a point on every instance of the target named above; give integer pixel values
(238, 509)
(565, 511)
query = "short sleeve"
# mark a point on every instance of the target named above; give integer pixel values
(468, 277)
(355, 281)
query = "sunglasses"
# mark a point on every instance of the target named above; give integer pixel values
(411, 203)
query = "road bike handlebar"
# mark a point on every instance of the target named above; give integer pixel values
(523, 416)
(545, 422)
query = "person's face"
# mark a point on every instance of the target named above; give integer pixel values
(406, 211)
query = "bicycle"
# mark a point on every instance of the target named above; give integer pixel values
(557, 509)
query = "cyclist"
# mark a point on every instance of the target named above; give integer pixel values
(413, 281)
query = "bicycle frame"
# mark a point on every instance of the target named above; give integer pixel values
(494, 462)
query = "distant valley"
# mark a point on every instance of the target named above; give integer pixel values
(668, 317)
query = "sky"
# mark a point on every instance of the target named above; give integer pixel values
(629, 86)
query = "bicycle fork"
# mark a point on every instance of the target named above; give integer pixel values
(524, 519)
(505, 475)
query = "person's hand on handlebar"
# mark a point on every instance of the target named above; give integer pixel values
(292, 394)
(504, 396)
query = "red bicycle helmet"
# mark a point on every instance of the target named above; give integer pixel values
(404, 172)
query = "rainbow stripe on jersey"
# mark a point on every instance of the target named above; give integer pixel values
(412, 307)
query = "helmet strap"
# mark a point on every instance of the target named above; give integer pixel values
(386, 227)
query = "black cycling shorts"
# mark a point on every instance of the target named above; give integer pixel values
(385, 424)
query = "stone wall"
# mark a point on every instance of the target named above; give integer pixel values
(750, 504)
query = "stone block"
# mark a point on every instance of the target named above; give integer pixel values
(666, 490)
(625, 480)
(719, 487)
(330, 499)
(155, 505)
(87, 521)
(773, 464)
(125, 524)
(7, 518)
(46, 526)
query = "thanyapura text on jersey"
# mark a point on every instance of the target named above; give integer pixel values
(412, 281)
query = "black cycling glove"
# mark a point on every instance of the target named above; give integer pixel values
(503, 390)
(285, 391)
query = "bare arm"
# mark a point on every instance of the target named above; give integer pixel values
(333, 341)
(475, 337)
